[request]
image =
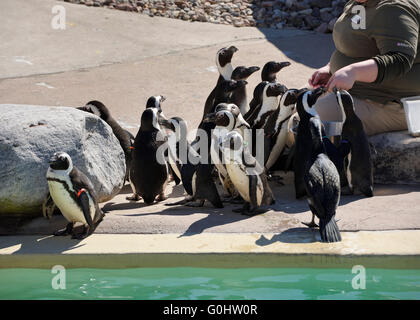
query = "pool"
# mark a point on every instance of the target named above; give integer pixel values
(210, 283)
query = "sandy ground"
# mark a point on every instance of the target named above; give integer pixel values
(123, 58)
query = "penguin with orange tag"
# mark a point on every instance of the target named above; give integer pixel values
(73, 193)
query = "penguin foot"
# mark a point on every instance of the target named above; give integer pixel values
(311, 224)
(161, 197)
(277, 179)
(347, 191)
(197, 204)
(81, 235)
(64, 232)
(134, 197)
(180, 202)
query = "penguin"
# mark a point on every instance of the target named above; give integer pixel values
(73, 193)
(123, 136)
(270, 102)
(227, 117)
(270, 70)
(246, 174)
(239, 96)
(359, 170)
(148, 175)
(222, 94)
(259, 117)
(322, 183)
(196, 176)
(276, 129)
(268, 74)
(224, 66)
(304, 106)
(256, 99)
(156, 102)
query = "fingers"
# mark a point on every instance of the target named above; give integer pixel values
(311, 81)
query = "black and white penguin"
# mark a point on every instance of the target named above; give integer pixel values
(226, 118)
(196, 176)
(149, 171)
(239, 96)
(359, 170)
(246, 174)
(322, 183)
(270, 102)
(225, 68)
(123, 136)
(73, 193)
(268, 74)
(305, 102)
(277, 127)
(271, 69)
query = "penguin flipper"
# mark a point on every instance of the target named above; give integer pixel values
(174, 175)
(83, 199)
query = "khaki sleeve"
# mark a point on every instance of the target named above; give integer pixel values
(396, 29)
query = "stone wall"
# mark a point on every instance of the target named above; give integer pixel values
(319, 15)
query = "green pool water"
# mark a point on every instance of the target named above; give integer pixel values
(212, 283)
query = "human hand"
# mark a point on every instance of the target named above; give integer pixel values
(320, 77)
(342, 79)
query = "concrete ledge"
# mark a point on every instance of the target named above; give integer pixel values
(381, 249)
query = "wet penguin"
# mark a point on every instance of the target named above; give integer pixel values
(359, 170)
(123, 136)
(239, 96)
(305, 102)
(224, 66)
(246, 174)
(276, 129)
(149, 171)
(322, 183)
(73, 193)
(226, 118)
(196, 178)
(271, 69)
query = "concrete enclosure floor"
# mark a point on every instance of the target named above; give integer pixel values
(123, 58)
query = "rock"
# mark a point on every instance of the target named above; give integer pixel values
(397, 158)
(290, 3)
(29, 137)
(320, 3)
(305, 12)
(326, 16)
(331, 24)
(323, 28)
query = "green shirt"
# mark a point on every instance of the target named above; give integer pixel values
(391, 26)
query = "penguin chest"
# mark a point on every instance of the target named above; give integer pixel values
(238, 174)
(216, 159)
(67, 205)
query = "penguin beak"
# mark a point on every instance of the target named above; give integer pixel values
(166, 124)
(242, 122)
(251, 70)
(210, 118)
(232, 49)
(284, 64)
(53, 159)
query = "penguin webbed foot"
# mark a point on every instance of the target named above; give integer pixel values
(311, 224)
(195, 204)
(82, 235)
(161, 197)
(134, 197)
(180, 202)
(277, 179)
(64, 232)
(246, 210)
(233, 200)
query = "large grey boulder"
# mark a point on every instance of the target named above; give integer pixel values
(29, 136)
(397, 159)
